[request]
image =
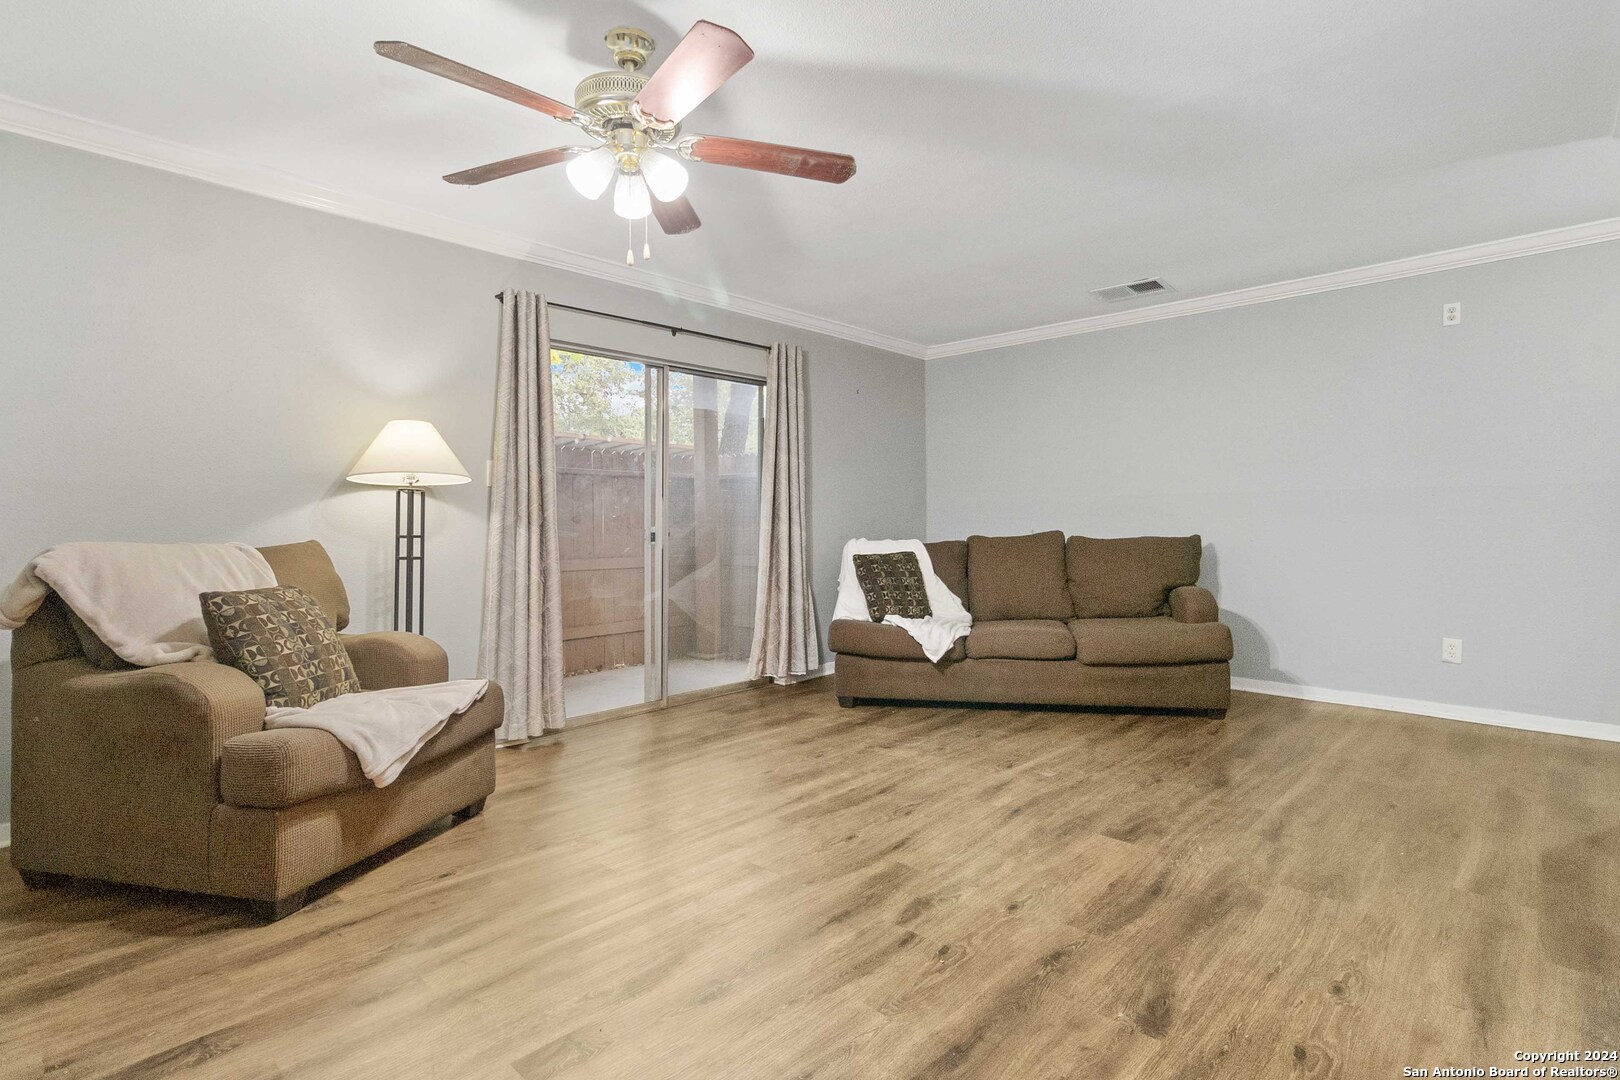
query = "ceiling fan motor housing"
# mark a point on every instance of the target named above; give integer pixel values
(606, 96)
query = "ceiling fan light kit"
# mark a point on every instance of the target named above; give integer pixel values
(631, 200)
(636, 122)
(665, 176)
(592, 172)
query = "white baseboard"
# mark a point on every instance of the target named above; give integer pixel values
(1553, 725)
(5, 835)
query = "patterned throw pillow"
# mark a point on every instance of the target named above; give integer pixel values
(893, 584)
(281, 637)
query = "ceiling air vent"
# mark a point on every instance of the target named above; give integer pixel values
(1115, 293)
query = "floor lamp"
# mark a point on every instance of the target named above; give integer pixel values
(409, 456)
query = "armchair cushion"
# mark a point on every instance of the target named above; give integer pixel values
(1130, 577)
(1150, 641)
(1017, 577)
(308, 566)
(281, 637)
(385, 659)
(95, 650)
(286, 766)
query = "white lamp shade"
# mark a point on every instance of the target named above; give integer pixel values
(630, 199)
(592, 173)
(664, 175)
(409, 453)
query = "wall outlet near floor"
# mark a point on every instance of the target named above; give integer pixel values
(1451, 314)
(1451, 650)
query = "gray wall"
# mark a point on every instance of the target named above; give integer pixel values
(180, 361)
(1366, 481)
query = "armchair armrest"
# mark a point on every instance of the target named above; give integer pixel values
(116, 772)
(172, 718)
(1193, 604)
(390, 658)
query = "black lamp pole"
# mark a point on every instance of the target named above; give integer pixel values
(410, 555)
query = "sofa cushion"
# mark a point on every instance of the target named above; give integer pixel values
(1130, 577)
(893, 584)
(881, 641)
(950, 565)
(308, 566)
(1017, 577)
(287, 766)
(1020, 639)
(1156, 640)
(281, 637)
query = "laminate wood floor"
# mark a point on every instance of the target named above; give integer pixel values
(767, 886)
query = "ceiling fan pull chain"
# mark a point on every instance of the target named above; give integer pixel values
(629, 242)
(646, 241)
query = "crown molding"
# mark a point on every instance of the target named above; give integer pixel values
(107, 140)
(1596, 232)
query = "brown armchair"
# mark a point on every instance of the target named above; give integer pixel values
(165, 776)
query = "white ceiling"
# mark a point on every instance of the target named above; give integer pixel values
(1013, 154)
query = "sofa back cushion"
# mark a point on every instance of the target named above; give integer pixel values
(1017, 577)
(950, 565)
(307, 566)
(1130, 577)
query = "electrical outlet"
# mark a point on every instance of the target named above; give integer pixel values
(1451, 314)
(1451, 650)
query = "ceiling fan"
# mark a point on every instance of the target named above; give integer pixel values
(636, 122)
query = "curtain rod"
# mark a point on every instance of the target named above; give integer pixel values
(673, 330)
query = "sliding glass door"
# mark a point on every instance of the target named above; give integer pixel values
(658, 524)
(606, 429)
(712, 552)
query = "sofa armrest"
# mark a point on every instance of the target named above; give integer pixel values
(1193, 604)
(390, 658)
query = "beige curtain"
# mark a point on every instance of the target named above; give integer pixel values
(786, 641)
(522, 648)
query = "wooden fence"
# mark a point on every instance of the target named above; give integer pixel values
(711, 545)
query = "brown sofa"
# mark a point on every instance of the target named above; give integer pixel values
(165, 776)
(1106, 623)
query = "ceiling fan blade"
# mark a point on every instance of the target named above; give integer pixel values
(705, 58)
(434, 64)
(512, 166)
(676, 216)
(774, 158)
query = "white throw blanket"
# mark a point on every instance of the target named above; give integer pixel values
(141, 599)
(939, 631)
(385, 728)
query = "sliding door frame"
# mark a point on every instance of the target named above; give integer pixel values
(655, 652)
